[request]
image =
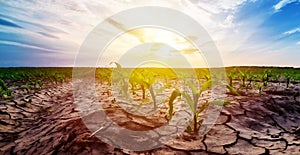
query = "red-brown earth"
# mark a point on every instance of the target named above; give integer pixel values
(48, 122)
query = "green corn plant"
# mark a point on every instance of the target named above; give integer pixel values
(288, 76)
(243, 75)
(192, 101)
(3, 85)
(104, 76)
(193, 104)
(26, 87)
(206, 75)
(250, 78)
(201, 74)
(1, 92)
(259, 86)
(39, 83)
(59, 78)
(297, 77)
(13, 77)
(231, 76)
(52, 81)
(4, 91)
(8, 94)
(265, 77)
(276, 78)
(120, 77)
(173, 96)
(133, 82)
(146, 80)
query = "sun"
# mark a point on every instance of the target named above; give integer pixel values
(166, 45)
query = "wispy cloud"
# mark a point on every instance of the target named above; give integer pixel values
(4, 22)
(27, 46)
(48, 35)
(77, 18)
(298, 43)
(283, 3)
(235, 26)
(296, 30)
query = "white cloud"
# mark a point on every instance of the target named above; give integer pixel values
(78, 18)
(219, 6)
(298, 43)
(27, 46)
(296, 30)
(283, 3)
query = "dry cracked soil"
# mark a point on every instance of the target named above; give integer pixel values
(47, 122)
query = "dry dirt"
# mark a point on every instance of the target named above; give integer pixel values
(47, 122)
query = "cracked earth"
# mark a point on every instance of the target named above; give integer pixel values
(48, 122)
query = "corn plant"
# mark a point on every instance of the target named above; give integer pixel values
(145, 80)
(3, 85)
(104, 76)
(231, 76)
(265, 77)
(26, 87)
(250, 78)
(192, 102)
(259, 86)
(35, 77)
(206, 75)
(133, 82)
(4, 91)
(288, 76)
(243, 75)
(119, 77)
(276, 78)
(37, 84)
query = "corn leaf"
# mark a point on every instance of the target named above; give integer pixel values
(194, 89)
(3, 85)
(202, 108)
(173, 96)
(117, 64)
(232, 90)
(205, 86)
(195, 99)
(221, 103)
(152, 94)
(189, 100)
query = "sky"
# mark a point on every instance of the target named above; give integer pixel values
(245, 32)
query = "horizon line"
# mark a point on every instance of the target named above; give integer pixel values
(262, 66)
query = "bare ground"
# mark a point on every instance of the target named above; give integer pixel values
(47, 122)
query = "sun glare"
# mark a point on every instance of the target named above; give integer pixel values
(166, 46)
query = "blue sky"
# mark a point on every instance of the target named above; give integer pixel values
(246, 32)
